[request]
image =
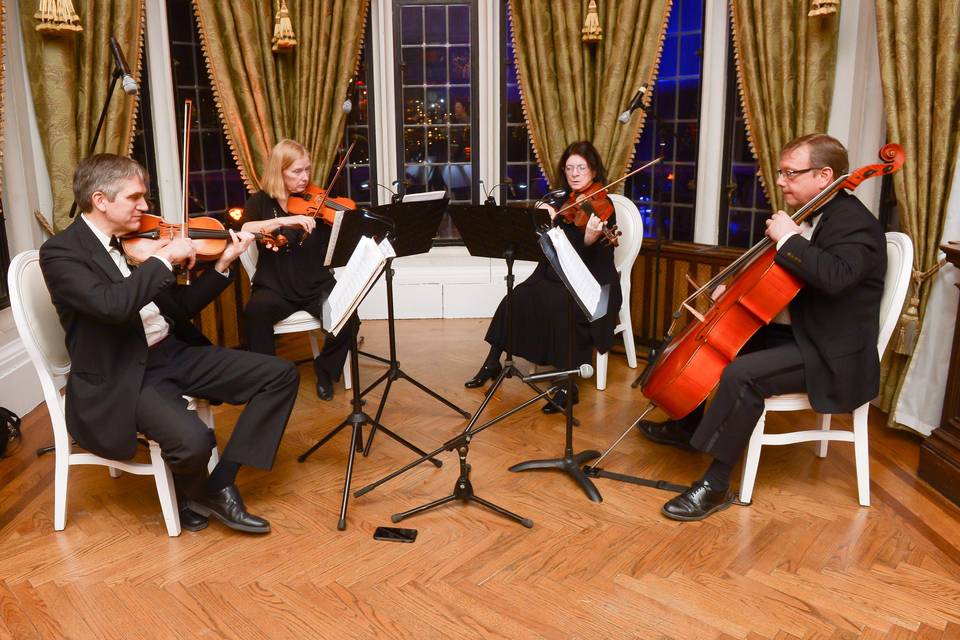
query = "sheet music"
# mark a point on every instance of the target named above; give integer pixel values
(334, 232)
(578, 276)
(355, 279)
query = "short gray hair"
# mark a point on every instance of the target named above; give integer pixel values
(103, 172)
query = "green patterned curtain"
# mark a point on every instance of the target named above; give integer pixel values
(920, 74)
(785, 67)
(69, 80)
(264, 96)
(572, 90)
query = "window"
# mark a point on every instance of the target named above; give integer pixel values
(521, 175)
(666, 195)
(436, 64)
(359, 176)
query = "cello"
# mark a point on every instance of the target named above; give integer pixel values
(687, 367)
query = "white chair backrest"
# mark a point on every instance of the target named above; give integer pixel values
(896, 282)
(249, 260)
(631, 224)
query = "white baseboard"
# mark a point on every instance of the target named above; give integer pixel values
(19, 386)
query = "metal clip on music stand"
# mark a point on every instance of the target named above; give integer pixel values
(571, 462)
(490, 232)
(347, 240)
(414, 226)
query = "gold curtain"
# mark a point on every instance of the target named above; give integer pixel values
(3, 56)
(785, 68)
(264, 96)
(920, 74)
(69, 80)
(575, 91)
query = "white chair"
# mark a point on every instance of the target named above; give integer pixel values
(297, 321)
(43, 338)
(896, 283)
(631, 225)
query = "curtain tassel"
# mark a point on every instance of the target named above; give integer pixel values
(907, 328)
(823, 7)
(283, 36)
(591, 24)
(57, 18)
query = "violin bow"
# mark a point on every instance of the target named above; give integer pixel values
(582, 199)
(333, 180)
(185, 197)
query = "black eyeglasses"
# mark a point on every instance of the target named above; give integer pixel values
(790, 174)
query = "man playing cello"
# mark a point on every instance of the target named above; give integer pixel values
(823, 344)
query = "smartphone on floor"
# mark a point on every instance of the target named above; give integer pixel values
(395, 534)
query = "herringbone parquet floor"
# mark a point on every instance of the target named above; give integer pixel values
(803, 561)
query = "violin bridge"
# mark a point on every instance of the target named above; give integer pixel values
(696, 314)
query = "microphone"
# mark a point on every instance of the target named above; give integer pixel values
(122, 70)
(635, 104)
(584, 371)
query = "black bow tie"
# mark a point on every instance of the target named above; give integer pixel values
(115, 243)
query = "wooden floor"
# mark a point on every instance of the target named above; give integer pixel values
(803, 561)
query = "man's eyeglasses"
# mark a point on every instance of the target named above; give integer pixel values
(576, 168)
(790, 174)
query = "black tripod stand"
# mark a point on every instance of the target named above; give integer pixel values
(355, 421)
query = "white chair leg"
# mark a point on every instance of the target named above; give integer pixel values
(602, 371)
(629, 346)
(752, 460)
(861, 452)
(314, 346)
(61, 476)
(165, 490)
(114, 472)
(823, 423)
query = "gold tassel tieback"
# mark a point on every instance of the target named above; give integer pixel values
(284, 38)
(908, 327)
(591, 24)
(57, 18)
(823, 7)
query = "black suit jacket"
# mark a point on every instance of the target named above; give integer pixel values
(836, 315)
(100, 312)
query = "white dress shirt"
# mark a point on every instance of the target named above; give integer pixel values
(806, 230)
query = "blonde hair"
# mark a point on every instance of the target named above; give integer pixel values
(283, 154)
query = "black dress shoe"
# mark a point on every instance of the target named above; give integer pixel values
(227, 506)
(485, 374)
(560, 399)
(191, 520)
(324, 386)
(671, 432)
(697, 502)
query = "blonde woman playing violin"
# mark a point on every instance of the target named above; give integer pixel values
(293, 278)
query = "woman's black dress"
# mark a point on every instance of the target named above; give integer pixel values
(540, 326)
(289, 280)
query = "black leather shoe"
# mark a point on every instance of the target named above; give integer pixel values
(560, 398)
(697, 502)
(485, 374)
(671, 432)
(324, 386)
(191, 520)
(227, 506)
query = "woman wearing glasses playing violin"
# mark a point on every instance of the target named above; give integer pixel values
(293, 278)
(539, 319)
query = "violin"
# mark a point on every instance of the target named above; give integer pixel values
(314, 202)
(209, 236)
(592, 200)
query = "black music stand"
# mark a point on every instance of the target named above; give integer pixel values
(357, 418)
(415, 225)
(491, 232)
(571, 462)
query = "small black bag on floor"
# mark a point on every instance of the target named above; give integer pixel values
(9, 429)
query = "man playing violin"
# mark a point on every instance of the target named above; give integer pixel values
(823, 344)
(292, 278)
(135, 353)
(539, 323)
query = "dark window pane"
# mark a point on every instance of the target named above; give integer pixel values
(412, 65)
(411, 25)
(739, 228)
(413, 144)
(668, 58)
(685, 184)
(459, 65)
(683, 224)
(517, 141)
(437, 144)
(459, 143)
(691, 14)
(690, 54)
(458, 17)
(435, 63)
(212, 150)
(435, 21)
(436, 105)
(413, 109)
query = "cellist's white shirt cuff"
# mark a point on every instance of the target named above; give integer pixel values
(784, 238)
